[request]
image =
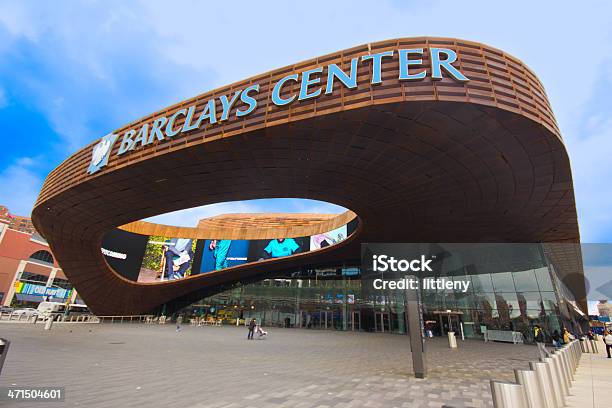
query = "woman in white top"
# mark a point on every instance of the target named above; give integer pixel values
(607, 338)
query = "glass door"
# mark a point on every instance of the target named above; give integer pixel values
(354, 323)
(381, 322)
(324, 319)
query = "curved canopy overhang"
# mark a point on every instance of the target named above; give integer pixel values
(416, 159)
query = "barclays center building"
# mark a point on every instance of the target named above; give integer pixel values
(440, 149)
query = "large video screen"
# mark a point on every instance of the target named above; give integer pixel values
(158, 258)
(219, 254)
(276, 248)
(328, 238)
(167, 259)
(124, 251)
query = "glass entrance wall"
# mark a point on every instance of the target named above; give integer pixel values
(511, 288)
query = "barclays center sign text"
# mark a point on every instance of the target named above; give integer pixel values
(220, 109)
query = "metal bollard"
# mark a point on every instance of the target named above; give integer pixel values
(569, 362)
(587, 345)
(542, 371)
(594, 346)
(555, 381)
(49, 323)
(531, 384)
(576, 354)
(583, 346)
(556, 359)
(565, 364)
(572, 355)
(4, 346)
(508, 395)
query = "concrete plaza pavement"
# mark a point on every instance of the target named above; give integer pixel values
(592, 385)
(113, 365)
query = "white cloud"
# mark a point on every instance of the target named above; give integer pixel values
(17, 21)
(20, 186)
(238, 45)
(89, 67)
(194, 46)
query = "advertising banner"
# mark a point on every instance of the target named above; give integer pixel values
(167, 259)
(24, 288)
(223, 253)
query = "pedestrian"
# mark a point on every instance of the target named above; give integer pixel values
(566, 336)
(538, 337)
(538, 334)
(556, 339)
(607, 339)
(252, 325)
(179, 321)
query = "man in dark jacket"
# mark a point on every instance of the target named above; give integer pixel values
(252, 325)
(538, 335)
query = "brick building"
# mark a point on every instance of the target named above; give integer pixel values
(16, 222)
(29, 273)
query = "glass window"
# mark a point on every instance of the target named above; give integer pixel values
(33, 277)
(43, 256)
(525, 281)
(530, 300)
(441, 300)
(482, 283)
(463, 300)
(485, 301)
(502, 282)
(429, 298)
(535, 313)
(543, 278)
(549, 300)
(62, 283)
(507, 301)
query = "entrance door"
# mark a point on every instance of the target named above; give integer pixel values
(354, 323)
(455, 324)
(325, 319)
(367, 319)
(381, 322)
(450, 322)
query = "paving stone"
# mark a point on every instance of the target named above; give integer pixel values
(216, 367)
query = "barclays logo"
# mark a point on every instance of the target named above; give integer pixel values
(101, 152)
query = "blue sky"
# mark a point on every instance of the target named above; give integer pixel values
(72, 72)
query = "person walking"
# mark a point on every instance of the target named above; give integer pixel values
(607, 339)
(252, 325)
(179, 321)
(538, 336)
